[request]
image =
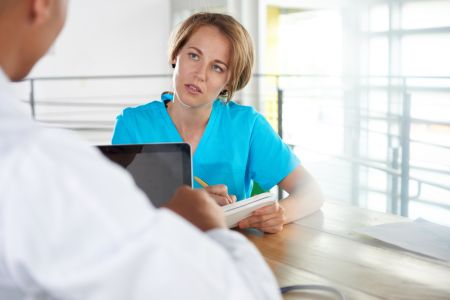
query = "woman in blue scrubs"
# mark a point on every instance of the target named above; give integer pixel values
(233, 146)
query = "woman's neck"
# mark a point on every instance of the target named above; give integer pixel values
(190, 122)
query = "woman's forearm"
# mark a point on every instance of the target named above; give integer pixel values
(302, 202)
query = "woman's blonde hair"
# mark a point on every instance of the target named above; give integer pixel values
(242, 53)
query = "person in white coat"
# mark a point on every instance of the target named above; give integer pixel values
(74, 226)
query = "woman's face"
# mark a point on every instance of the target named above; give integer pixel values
(201, 70)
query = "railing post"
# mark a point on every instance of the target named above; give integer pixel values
(394, 183)
(279, 121)
(32, 100)
(405, 143)
(280, 111)
(354, 99)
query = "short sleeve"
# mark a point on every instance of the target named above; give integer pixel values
(122, 134)
(270, 159)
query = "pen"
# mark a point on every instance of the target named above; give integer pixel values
(204, 185)
(201, 182)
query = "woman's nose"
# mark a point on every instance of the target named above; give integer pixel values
(201, 71)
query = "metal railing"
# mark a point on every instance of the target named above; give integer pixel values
(282, 96)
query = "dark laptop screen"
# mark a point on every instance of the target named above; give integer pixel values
(158, 169)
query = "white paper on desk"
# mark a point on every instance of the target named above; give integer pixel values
(419, 236)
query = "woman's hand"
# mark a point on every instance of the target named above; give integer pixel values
(268, 219)
(219, 192)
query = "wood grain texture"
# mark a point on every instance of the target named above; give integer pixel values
(322, 249)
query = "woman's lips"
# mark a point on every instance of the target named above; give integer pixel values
(192, 88)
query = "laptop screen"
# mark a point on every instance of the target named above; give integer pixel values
(157, 169)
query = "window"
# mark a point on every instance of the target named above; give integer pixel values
(366, 103)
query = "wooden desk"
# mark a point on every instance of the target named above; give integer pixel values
(321, 249)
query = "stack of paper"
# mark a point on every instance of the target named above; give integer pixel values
(239, 210)
(419, 236)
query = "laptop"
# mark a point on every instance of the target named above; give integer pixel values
(157, 169)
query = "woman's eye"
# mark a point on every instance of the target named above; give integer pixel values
(193, 56)
(217, 69)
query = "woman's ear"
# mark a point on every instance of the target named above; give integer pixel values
(225, 90)
(223, 93)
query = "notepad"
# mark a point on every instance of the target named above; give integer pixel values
(240, 210)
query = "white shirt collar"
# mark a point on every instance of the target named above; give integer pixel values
(3, 79)
(9, 103)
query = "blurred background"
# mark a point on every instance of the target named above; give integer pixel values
(360, 89)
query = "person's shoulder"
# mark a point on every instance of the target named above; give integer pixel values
(67, 176)
(139, 110)
(234, 106)
(244, 116)
(48, 152)
(68, 159)
(239, 110)
(144, 107)
(59, 144)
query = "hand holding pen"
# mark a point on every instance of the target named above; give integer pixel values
(219, 192)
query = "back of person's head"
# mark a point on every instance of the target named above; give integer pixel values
(242, 55)
(27, 30)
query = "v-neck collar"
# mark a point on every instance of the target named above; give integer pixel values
(208, 129)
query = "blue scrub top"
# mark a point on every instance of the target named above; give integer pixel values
(238, 145)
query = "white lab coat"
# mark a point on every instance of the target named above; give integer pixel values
(74, 226)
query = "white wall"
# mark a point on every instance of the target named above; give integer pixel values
(247, 13)
(102, 37)
(108, 37)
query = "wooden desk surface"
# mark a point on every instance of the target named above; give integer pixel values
(322, 249)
